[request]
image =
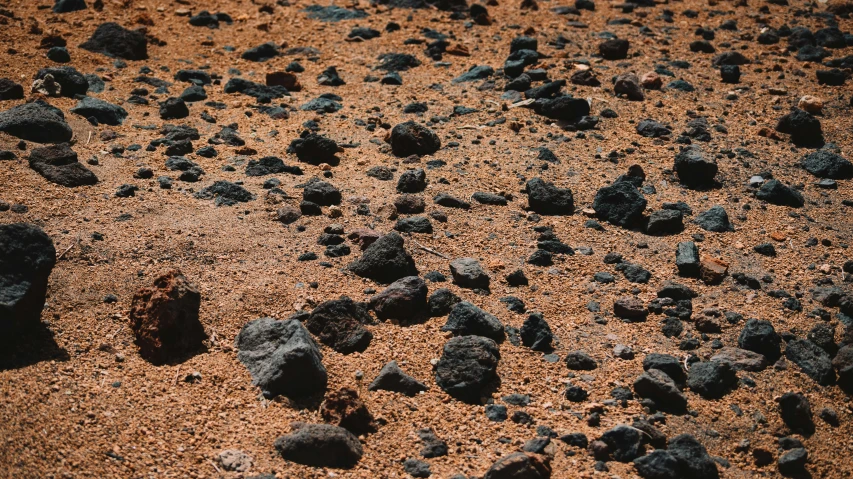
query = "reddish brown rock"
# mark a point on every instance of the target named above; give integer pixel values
(164, 318)
(285, 79)
(713, 270)
(345, 409)
(518, 465)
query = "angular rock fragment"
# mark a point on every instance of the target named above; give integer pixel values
(339, 324)
(58, 164)
(468, 273)
(392, 378)
(113, 40)
(320, 445)
(345, 409)
(403, 300)
(412, 138)
(385, 260)
(467, 367)
(27, 257)
(467, 319)
(547, 199)
(36, 121)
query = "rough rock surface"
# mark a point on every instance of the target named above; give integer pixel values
(27, 256)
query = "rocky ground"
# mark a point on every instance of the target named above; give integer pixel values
(413, 238)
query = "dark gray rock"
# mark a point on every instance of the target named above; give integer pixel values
(693, 168)
(113, 40)
(9, 90)
(27, 257)
(441, 301)
(778, 193)
(467, 319)
(58, 164)
(339, 324)
(659, 387)
(412, 181)
(403, 300)
(668, 364)
(321, 193)
(71, 81)
(711, 379)
(715, 219)
(320, 445)
(624, 442)
(826, 164)
(536, 333)
(412, 138)
(665, 222)
(796, 413)
(519, 465)
(468, 273)
(545, 198)
(282, 358)
(385, 260)
(480, 72)
(658, 464)
(67, 6)
(36, 121)
(580, 361)
(103, 111)
(760, 336)
(261, 53)
(392, 378)
(315, 149)
(225, 193)
(813, 360)
(793, 463)
(620, 204)
(467, 367)
(693, 459)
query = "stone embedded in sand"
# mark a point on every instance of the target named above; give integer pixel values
(385, 260)
(630, 308)
(412, 138)
(339, 324)
(344, 408)
(536, 333)
(615, 49)
(403, 300)
(164, 319)
(9, 90)
(467, 367)
(321, 193)
(27, 257)
(714, 219)
(520, 465)
(102, 111)
(320, 445)
(392, 378)
(173, 109)
(314, 149)
(467, 319)
(620, 204)
(693, 168)
(36, 121)
(58, 164)
(713, 270)
(813, 360)
(658, 386)
(711, 379)
(468, 273)
(796, 412)
(235, 460)
(741, 359)
(71, 81)
(113, 40)
(803, 127)
(778, 193)
(545, 198)
(67, 6)
(826, 164)
(629, 85)
(282, 358)
(624, 442)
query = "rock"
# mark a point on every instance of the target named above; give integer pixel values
(741, 359)
(693, 168)
(658, 464)
(624, 442)
(580, 361)
(261, 53)
(103, 111)
(826, 164)
(235, 460)
(441, 301)
(433, 445)
(547, 199)
(164, 319)
(71, 81)
(652, 129)
(693, 459)
(392, 378)
(843, 363)
(282, 358)
(345, 409)
(225, 193)
(385, 260)
(810, 104)
(629, 85)
(409, 204)
(711, 379)
(320, 445)
(668, 364)
(467, 367)
(520, 465)
(58, 164)
(687, 259)
(467, 319)
(620, 204)
(265, 94)
(412, 138)
(796, 412)
(314, 149)
(777, 193)
(173, 109)
(664, 222)
(805, 129)
(660, 387)
(112, 40)
(416, 468)
(412, 181)
(339, 324)
(9, 90)
(479, 72)
(630, 308)
(760, 337)
(651, 81)
(715, 220)
(414, 224)
(36, 121)
(446, 200)
(321, 193)
(403, 300)
(565, 108)
(468, 273)
(713, 270)
(536, 333)
(27, 257)
(615, 49)
(730, 73)
(269, 165)
(793, 463)
(813, 360)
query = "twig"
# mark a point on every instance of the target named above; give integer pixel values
(177, 373)
(430, 250)
(68, 249)
(201, 441)
(90, 137)
(214, 466)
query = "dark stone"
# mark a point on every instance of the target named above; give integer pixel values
(813, 360)
(519, 465)
(385, 260)
(826, 164)
(778, 193)
(446, 200)
(112, 40)
(414, 224)
(269, 165)
(468, 273)
(793, 463)
(563, 108)
(173, 109)
(547, 199)
(803, 127)
(27, 257)
(624, 442)
(759, 336)
(659, 464)
(103, 111)
(261, 53)
(412, 138)
(339, 324)
(71, 81)
(693, 168)
(467, 319)
(662, 389)
(412, 181)
(403, 300)
(225, 193)
(321, 193)
(9, 90)
(36, 121)
(620, 204)
(714, 219)
(320, 445)
(67, 6)
(687, 259)
(652, 129)
(468, 366)
(668, 364)
(711, 379)
(441, 302)
(58, 164)
(480, 72)
(263, 93)
(796, 413)
(628, 84)
(693, 459)
(630, 308)
(615, 49)
(433, 445)
(580, 361)
(489, 199)
(536, 333)
(392, 378)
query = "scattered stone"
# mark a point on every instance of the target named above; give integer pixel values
(36, 121)
(345, 409)
(468, 273)
(392, 378)
(112, 40)
(796, 412)
(27, 257)
(58, 164)
(412, 138)
(714, 219)
(547, 199)
(467, 319)
(385, 260)
(693, 169)
(102, 111)
(711, 379)
(339, 324)
(520, 465)
(468, 366)
(403, 300)
(320, 445)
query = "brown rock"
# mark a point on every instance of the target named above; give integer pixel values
(630, 308)
(363, 237)
(811, 104)
(458, 50)
(164, 318)
(651, 81)
(345, 409)
(520, 465)
(285, 79)
(713, 270)
(288, 214)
